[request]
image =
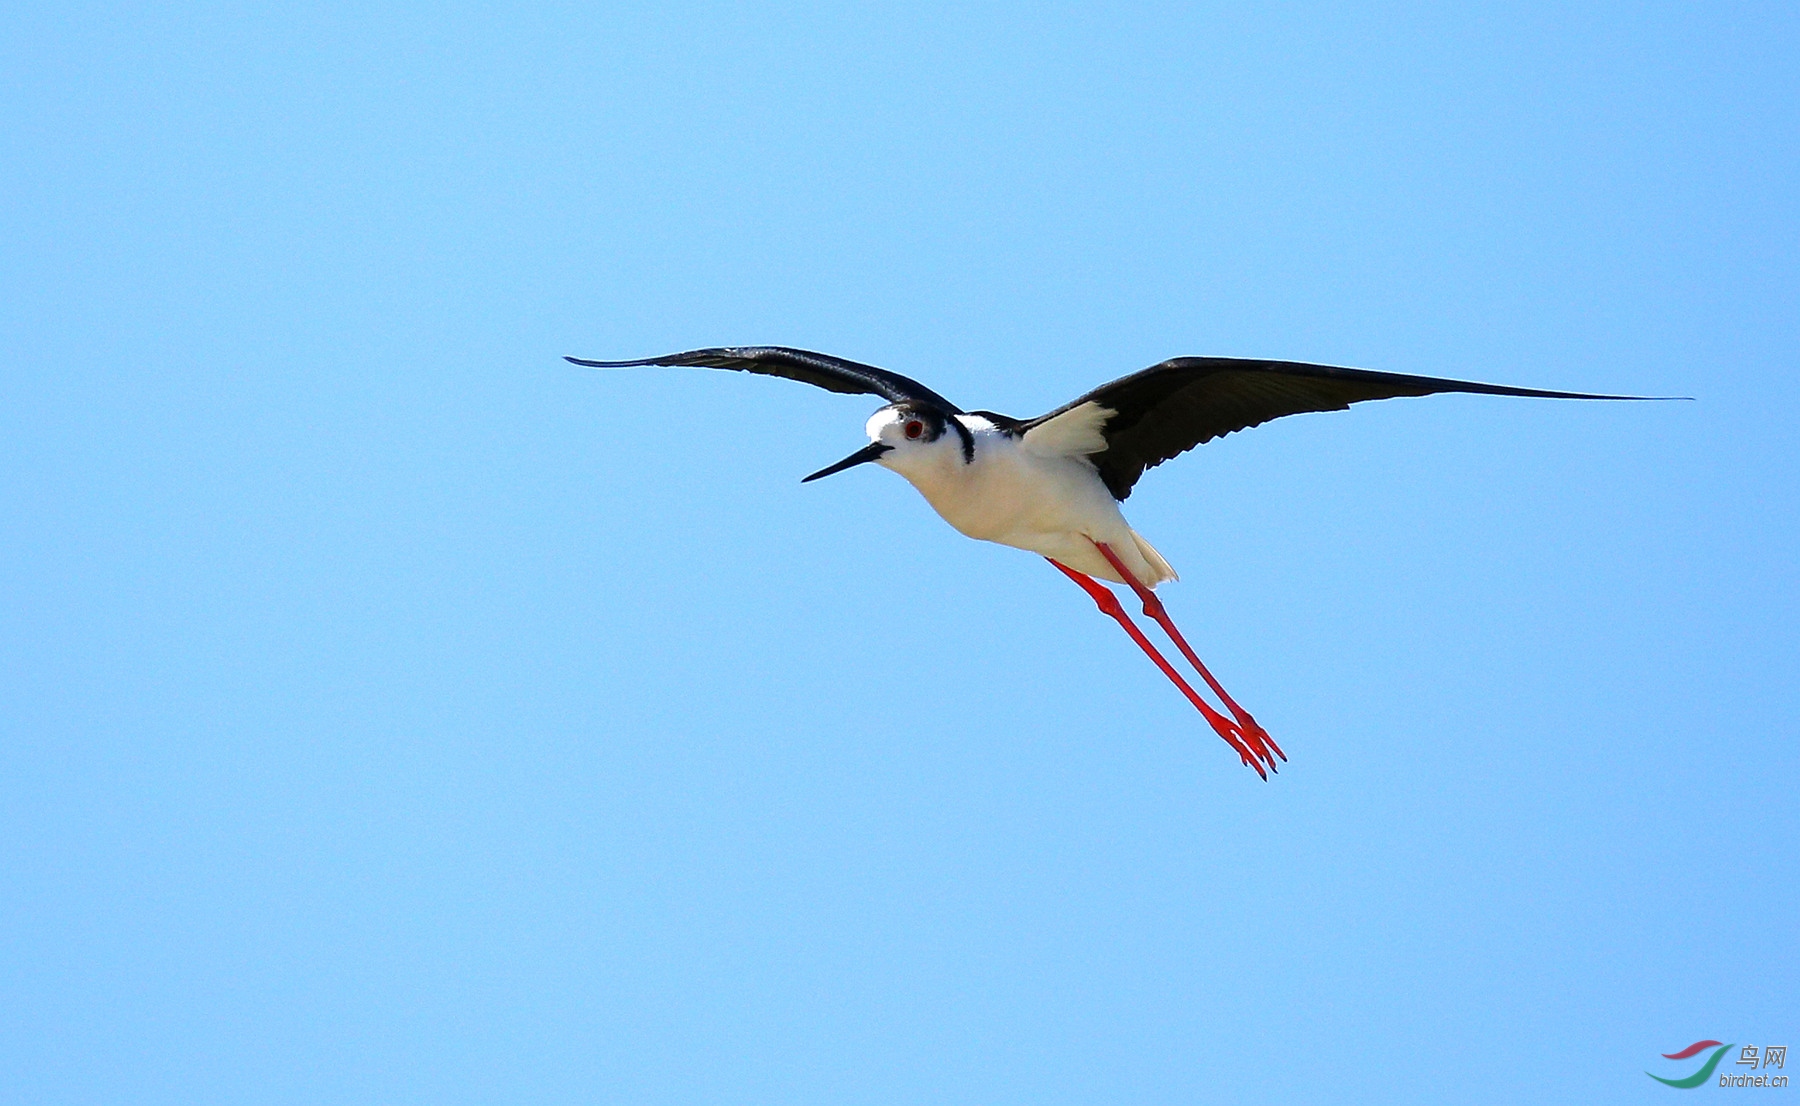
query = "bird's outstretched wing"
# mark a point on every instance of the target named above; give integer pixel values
(821, 370)
(1170, 408)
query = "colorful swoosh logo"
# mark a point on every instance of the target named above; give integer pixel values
(1689, 1050)
(1698, 1077)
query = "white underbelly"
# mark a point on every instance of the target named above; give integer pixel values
(1052, 505)
(1049, 506)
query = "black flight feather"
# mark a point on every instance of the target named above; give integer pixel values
(834, 374)
(1170, 408)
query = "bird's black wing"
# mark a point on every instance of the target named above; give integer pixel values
(1170, 408)
(821, 370)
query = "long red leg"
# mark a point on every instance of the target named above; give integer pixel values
(1254, 734)
(1109, 605)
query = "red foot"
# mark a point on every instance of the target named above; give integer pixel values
(1109, 605)
(1252, 733)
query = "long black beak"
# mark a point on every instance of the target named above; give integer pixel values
(866, 453)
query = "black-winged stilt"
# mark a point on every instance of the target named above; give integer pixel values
(1053, 484)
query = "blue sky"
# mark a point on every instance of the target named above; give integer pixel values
(393, 712)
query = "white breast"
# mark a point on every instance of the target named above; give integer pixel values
(1016, 493)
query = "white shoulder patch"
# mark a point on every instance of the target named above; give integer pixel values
(1074, 433)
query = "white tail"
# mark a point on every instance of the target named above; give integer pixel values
(1159, 568)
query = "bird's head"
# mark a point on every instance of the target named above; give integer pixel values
(903, 437)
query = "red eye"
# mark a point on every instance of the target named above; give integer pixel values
(914, 429)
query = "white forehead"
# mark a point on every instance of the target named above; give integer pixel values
(880, 420)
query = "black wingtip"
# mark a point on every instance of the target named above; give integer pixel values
(586, 364)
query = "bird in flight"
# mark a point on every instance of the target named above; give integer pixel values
(1053, 484)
